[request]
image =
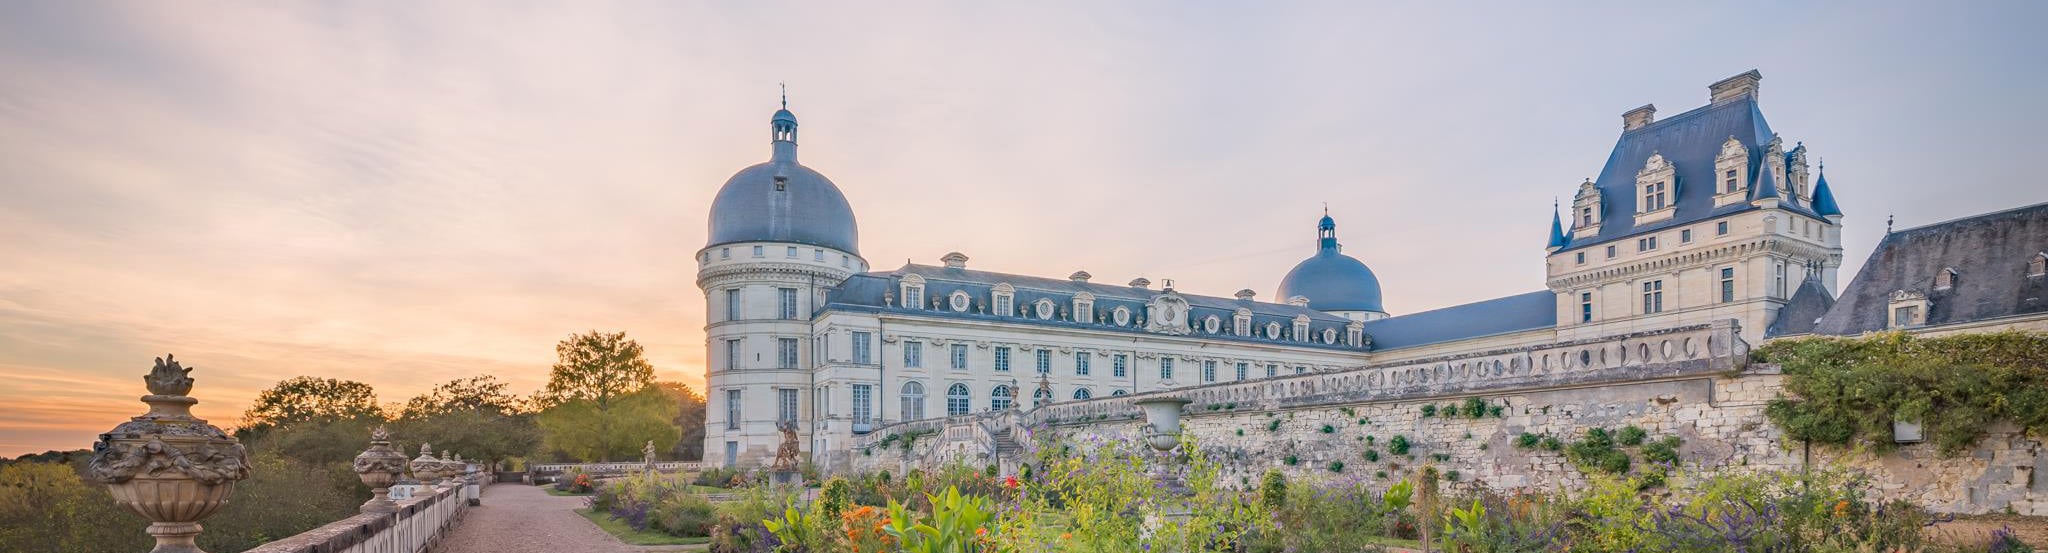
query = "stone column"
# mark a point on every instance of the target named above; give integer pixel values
(379, 467)
(168, 466)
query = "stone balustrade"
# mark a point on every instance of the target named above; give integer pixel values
(414, 527)
(1698, 350)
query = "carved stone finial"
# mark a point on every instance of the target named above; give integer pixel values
(168, 378)
(426, 449)
(380, 435)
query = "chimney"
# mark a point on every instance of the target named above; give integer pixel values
(1735, 88)
(1639, 117)
(955, 260)
(1246, 294)
(1141, 282)
(1080, 276)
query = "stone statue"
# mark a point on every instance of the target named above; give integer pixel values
(785, 454)
(647, 453)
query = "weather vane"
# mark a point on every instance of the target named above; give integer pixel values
(785, 93)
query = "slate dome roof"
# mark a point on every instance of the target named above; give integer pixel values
(1331, 280)
(783, 201)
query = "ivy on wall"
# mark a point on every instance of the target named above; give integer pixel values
(1848, 391)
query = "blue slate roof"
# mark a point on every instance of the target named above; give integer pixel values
(1989, 253)
(1332, 281)
(1514, 313)
(1823, 198)
(1689, 141)
(867, 292)
(783, 201)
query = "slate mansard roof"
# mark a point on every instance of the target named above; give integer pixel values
(1689, 141)
(1989, 253)
(1519, 312)
(867, 292)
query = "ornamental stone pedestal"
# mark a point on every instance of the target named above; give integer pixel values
(379, 467)
(168, 466)
(426, 467)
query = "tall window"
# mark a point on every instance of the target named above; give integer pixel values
(913, 354)
(1003, 358)
(957, 399)
(913, 296)
(863, 347)
(785, 353)
(1166, 368)
(1272, 370)
(1586, 216)
(863, 406)
(1653, 297)
(1580, 258)
(1721, 228)
(960, 356)
(1585, 307)
(732, 409)
(1044, 360)
(1778, 279)
(732, 304)
(732, 354)
(999, 399)
(725, 253)
(785, 301)
(1610, 252)
(1003, 305)
(1727, 284)
(1685, 236)
(1241, 369)
(1653, 196)
(1081, 361)
(1119, 364)
(1208, 371)
(785, 404)
(1646, 244)
(817, 255)
(913, 400)
(1728, 183)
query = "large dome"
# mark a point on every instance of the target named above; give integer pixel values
(1332, 281)
(782, 201)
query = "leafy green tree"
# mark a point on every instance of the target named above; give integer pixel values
(689, 419)
(600, 401)
(317, 420)
(472, 416)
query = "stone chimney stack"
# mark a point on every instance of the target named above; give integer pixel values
(1247, 294)
(955, 260)
(1080, 276)
(1639, 117)
(1141, 283)
(1736, 87)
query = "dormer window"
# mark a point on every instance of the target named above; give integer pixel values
(1732, 165)
(913, 292)
(958, 301)
(1945, 279)
(1654, 196)
(1587, 204)
(1084, 307)
(1301, 328)
(1906, 309)
(1122, 316)
(1043, 309)
(1211, 324)
(1354, 334)
(1241, 322)
(2038, 266)
(1005, 299)
(1656, 185)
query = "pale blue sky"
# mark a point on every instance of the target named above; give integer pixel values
(406, 193)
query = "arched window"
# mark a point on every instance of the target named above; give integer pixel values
(1118, 393)
(957, 398)
(1000, 398)
(1082, 393)
(1040, 397)
(913, 401)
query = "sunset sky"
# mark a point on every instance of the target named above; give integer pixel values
(405, 193)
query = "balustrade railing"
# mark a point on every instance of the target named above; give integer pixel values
(415, 526)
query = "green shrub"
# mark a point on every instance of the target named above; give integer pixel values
(1291, 460)
(1497, 411)
(1336, 466)
(1631, 435)
(1474, 407)
(1240, 431)
(1379, 474)
(1428, 411)
(1551, 443)
(1398, 445)
(835, 498)
(1372, 455)
(1273, 426)
(1451, 475)
(1273, 489)
(1327, 429)
(1841, 391)
(1526, 440)
(1663, 451)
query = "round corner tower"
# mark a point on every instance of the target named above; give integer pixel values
(781, 236)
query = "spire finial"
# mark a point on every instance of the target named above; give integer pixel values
(1326, 209)
(785, 94)
(1887, 224)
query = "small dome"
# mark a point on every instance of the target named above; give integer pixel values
(783, 115)
(783, 201)
(1330, 280)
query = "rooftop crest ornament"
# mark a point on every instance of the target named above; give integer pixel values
(168, 466)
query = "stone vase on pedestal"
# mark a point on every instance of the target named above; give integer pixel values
(426, 467)
(168, 466)
(379, 467)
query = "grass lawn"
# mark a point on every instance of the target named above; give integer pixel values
(619, 529)
(552, 491)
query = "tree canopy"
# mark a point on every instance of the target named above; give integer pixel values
(600, 402)
(472, 416)
(474, 394)
(308, 399)
(596, 367)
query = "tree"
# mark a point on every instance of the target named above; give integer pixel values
(689, 418)
(472, 416)
(309, 399)
(593, 405)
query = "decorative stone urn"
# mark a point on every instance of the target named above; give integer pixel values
(425, 467)
(451, 468)
(168, 466)
(379, 467)
(1162, 420)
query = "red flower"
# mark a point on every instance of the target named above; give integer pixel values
(1010, 482)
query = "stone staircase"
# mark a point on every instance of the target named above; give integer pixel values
(1007, 448)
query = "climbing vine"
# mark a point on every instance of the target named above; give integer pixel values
(1848, 391)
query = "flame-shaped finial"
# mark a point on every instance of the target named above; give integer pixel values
(380, 435)
(426, 449)
(168, 378)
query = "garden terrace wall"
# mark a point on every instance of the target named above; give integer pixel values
(415, 528)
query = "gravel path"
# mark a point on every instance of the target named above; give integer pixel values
(516, 518)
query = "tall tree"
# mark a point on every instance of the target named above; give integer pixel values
(319, 420)
(689, 419)
(592, 407)
(472, 416)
